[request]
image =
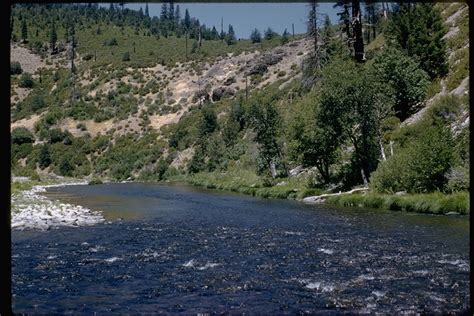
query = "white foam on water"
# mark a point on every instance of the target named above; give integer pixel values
(463, 264)
(421, 272)
(51, 257)
(319, 286)
(293, 233)
(31, 210)
(379, 293)
(189, 264)
(208, 265)
(364, 277)
(112, 259)
(326, 251)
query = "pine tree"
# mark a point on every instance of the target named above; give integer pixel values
(164, 12)
(269, 34)
(214, 33)
(284, 37)
(230, 38)
(53, 37)
(177, 15)
(418, 30)
(255, 36)
(187, 20)
(24, 31)
(171, 11)
(147, 13)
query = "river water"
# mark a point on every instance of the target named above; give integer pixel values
(181, 249)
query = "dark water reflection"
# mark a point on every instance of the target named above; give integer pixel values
(180, 249)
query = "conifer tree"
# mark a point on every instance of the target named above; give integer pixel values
(147, 13)
(187, 19)
(53, 37)
(24, 31)
(230, 37)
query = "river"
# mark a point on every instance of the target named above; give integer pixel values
(182, 249)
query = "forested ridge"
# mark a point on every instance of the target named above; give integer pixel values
(379, 100)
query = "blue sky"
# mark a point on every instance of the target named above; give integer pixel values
(245, 17)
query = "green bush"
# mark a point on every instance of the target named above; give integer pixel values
(126, 56)
(21, 135)
(419, 167)
(15, 68)
(26, 81)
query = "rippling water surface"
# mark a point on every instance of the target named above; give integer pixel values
(178, 249)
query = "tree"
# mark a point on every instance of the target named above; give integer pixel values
(177, 15)
(53, 37)
(269, 34)
(24, 31)
(214, 34)
(255, 36)
(44, 158)
(147, 13)
(164, 12)
(208, 122)
(26, 81)
(418, 30)
(187, 20)
(15, 68)
(408, 82)
(230, 37)
(420, 167)
(352, 106)
(358, 39)
(21, 135)
(266, 122)
(284, 37)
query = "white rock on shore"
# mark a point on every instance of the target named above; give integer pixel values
(31, 210)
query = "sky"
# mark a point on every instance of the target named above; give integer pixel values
(245, 17)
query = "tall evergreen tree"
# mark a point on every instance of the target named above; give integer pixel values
(230, 37)
(255, 36)
(24, 31)
(418, 29)
(147, 13)
(214, 34)
(164, 12)
(53, 37)
(187, 19)
(171, 11)
(177, 15)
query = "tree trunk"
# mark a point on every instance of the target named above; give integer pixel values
(357, 30)
(391, 148)
(364, 178)
(382, 151)
(272, 169)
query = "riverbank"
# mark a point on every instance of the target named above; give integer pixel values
(30, 209)
(295, 189)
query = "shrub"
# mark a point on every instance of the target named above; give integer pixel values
(95, 181)
(281, 73)
(87, 57)
(26, 81)
(111, 42)
(408, 82)
(37, 102)
(21, 135)
(420, 167)
(15, 68)
(126, 56)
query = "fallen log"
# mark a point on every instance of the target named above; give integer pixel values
(317, 199)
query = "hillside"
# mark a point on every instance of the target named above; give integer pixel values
(139, 105)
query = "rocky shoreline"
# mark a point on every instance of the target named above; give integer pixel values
(31, 210)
